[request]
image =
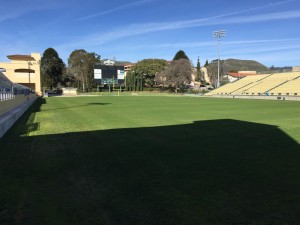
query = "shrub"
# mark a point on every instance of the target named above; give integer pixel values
(151, 89)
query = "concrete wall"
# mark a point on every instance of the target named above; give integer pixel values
(8, 105)
(69, 91)
(12, 110)
(289, 98)
(296, 69)
(248, 72)
(231, 78)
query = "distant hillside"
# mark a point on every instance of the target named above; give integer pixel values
(242, 65)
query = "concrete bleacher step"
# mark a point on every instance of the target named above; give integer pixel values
(261, 84)
(278, 85)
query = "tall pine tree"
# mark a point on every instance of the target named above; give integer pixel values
(52, 68)
(180, 55)
(199, 77)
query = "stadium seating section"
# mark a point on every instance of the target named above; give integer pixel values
(267, 84)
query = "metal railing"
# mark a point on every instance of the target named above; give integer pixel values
(9, 91)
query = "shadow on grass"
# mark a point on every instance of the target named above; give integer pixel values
(79, 106)
(98, 103)
(208, 172)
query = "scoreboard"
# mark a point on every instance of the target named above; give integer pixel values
(109, 74)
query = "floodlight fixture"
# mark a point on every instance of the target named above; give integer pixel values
(219, 33)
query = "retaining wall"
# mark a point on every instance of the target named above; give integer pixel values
(12, 110)
(290, 98)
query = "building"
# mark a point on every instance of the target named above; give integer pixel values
(128, 67)
(296, 69)
(24, 70)
(240, 74)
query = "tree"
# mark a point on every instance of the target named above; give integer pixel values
(52, 68)
(148, 68)
(272, 69)
(180, 55)
(212, 71)
(206, 63)
(134, 81)
(128, 81)
(177, 74)
(199, 73)
(81, 65)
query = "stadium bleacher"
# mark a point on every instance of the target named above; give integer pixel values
(289, 88)
(266, 84)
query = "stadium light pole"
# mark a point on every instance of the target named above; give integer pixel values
(218, 34)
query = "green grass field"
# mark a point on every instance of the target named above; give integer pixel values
(152, 160)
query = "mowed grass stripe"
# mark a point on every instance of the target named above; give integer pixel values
(97, 113)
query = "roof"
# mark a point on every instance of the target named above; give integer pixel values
(4, 80)
(21, 57)
(241, 74)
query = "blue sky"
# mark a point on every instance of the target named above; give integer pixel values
(263, 30)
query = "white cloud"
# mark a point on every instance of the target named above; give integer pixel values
(96, 40)
(15, 9)
(262, 17)
(92, 40)
(138, 29)
(279, 43)
(126, 6)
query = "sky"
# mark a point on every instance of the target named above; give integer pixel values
(263, 30)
